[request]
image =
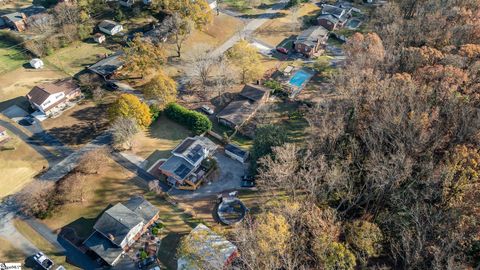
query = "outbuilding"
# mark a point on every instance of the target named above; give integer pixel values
(236, 153)
(99, 38)
(110, 27)
(36, 63)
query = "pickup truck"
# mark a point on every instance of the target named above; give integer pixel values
(43, 261)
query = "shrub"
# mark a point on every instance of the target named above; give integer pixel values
(154, 230)
(155, 112)
(196, 121)
(143, 255)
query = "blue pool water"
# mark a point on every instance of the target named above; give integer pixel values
(299, 78)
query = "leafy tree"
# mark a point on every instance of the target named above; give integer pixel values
(267, 137)
(129, 106)
(161, 88)
(197, 122)
(142, 56)
(334, 255)
(273, 233)
(365, 237)
(197, 11)
(246, 58)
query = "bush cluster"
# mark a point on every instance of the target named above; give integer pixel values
(196, 121)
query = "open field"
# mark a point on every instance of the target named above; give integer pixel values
(41, 243)
(77, 56)
(160, 138)
(276, 30)
(18, 167)
(15, 4)
(245, 7)
(8, 253)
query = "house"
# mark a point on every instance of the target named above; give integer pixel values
(16, 21)
(240, 111)
(3, 134)
(183, 169)
(119, 227)
(108, 66)
(99, 38)
(338, 16)
(110, 27)
(310, 41)
(126, 3)
(236, 153)
(51, 98)
(36, 63)
(208, 250)
(328, 21)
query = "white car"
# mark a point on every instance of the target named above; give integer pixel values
(43, 261)
(207, 109)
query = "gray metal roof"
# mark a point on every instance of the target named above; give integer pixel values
(254, 92)
(103, 247)
(142, 208)
(107, 24)
(236, 150)
(116, 223)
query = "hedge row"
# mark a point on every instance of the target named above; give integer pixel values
(196, 121)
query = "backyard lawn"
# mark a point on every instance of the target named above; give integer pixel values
(18, 166)
(77, 56)
(160, 138)
(245, 7)
(10, 58)
(279, 29)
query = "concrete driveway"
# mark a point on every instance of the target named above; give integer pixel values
(230, 173)
(15, 113)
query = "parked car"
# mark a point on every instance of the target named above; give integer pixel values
(43, 261)
(27, 121)
(247, 184)
(206, 109)
(146, 262)
(282, 50)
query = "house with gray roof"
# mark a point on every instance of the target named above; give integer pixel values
(119, 227)
(183, 168)
(109, 65)
(310, 41)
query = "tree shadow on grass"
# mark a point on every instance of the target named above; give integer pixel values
(264, 15)
(167, 253)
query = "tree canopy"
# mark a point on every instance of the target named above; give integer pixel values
(129, 106)
(246, 59)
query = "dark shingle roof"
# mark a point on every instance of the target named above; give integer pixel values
(254, 92)
(107, 24)
(142, 208)
(116, 222)
(329, 17)
(311, 35)
(41, 92)
(237, 112)
(334, 10)
(103, 247)
(108, 65)
(236, 150)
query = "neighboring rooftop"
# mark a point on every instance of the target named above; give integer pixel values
(329, 17)
(237, 112)
(103, 247)
(41, 92)
(116, 223)
(14, 17)
(108, 24)
(232, 148)
(109, 65)
(333, 10)
(254, 92)
(193, 149)
(311, 35)
(142, 208)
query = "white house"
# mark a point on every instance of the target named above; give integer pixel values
(50, 98)
(110, 27)
(36, 63)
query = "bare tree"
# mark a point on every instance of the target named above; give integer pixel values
(91, 162)
(179, 28)
(38, 199)
(73, 188)
(123, 130)
(201, 64)
(41, 23)
(67, 13)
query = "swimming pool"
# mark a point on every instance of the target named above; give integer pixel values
(299, 78)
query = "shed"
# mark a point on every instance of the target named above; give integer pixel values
(99, 38)
(110, 27)
(236, 153)
(36, 63)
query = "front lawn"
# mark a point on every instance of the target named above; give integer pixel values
(9, 253)
(18, 166)
(10, 57)
(77, 56)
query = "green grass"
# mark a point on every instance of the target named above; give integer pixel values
(10, 58)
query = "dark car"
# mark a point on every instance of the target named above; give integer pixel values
(282, 50)
(247, 184)
(27, 121)
(146, 262)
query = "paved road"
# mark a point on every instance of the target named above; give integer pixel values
(251, 26)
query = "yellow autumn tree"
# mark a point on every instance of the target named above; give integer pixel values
(273, 234)
(129, 106)
(198, 11)
(142, 56)
(245, 57)
(161, 88)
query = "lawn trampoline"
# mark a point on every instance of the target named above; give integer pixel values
(231, 211)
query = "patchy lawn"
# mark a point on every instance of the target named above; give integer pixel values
(80, 124)
(18, 166)
(41, 243)
(15, 84)
(157, 142)
(279, 29)
(245, 7)
(9, 253)
(77, 56)
(10, 58)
